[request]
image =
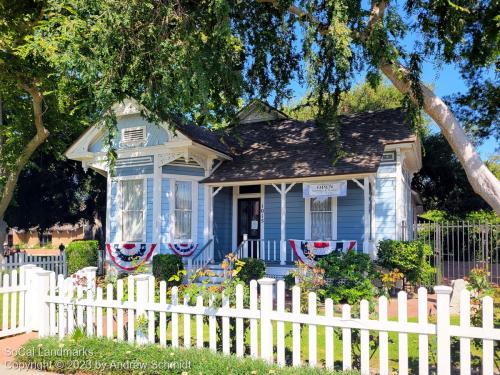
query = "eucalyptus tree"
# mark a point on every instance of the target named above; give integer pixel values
(196, 60)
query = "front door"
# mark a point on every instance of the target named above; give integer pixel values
(249, 218)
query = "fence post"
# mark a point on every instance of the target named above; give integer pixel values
(29, 271)
(443, 329)
(142, 290)
(65, 264)
(266, 325)
(43, 286)
(245, 245)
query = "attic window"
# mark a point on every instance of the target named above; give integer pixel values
(134, 136)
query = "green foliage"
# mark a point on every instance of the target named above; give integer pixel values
(167, 265)
(253, 269)
(349, 276)
(104, 356)
(81, 254)
(409, 257)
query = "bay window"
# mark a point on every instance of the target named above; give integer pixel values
(183, 210)
(132, 210)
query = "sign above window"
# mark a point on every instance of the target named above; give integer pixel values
(325, 189)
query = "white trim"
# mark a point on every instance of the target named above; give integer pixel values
(290, 180)
(234, 223)
(262, 214)
(133, 177)
(157, 177)
(206, 202)
(182, 177)
(307, 218)
(366, 215)
(398, 195)
(108, 209)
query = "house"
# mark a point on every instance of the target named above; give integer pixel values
(268, 180)
(55, 235)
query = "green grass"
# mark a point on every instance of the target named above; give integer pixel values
(102, 356)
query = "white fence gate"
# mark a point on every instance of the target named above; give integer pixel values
(105, 313)
(55, 263)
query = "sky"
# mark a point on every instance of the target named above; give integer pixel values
(445, 79)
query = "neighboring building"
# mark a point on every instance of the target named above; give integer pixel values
(57, 234)
(270, 178)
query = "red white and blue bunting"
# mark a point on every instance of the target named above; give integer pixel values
(129, 256)
(183, 249)
(309, 252)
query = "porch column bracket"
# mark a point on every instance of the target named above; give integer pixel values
(215, 192)
(362, 186)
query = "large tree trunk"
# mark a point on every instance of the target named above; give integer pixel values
(7, 191)
(480, 177)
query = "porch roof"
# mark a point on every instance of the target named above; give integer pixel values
(288, 148)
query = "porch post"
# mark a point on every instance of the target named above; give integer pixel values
(373, 220)
(283, 225)
(211, 195)
(366, 216)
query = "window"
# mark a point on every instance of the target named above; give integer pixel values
(132, 211)
(321, 219)
(183, 210)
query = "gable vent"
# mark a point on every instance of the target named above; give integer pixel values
(134, 136)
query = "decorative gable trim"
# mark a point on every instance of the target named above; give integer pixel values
(257, 111)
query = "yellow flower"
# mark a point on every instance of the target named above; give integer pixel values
(40, 345)
(172, 354)
(61, 345)
(184, 373)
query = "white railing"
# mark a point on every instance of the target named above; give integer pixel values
(267, 250)
(200, 258)
(12, 297)
(55, 263)
(63, 310)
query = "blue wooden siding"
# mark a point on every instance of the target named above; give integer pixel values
(223, 214)
(201, 214)
(155, 134)
(133, 171)
(113, 213)
(350, 211)
(181, 170)
(149, 211)
(164, 214)
(385, 208)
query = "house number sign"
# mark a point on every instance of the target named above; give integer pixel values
(325, 189)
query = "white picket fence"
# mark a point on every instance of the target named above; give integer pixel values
(67, 306)
(55, 263)
(12, 302)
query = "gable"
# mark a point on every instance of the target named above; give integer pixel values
(153, 135)
(259, 111)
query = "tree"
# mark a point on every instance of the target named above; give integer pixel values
(53, 190)
(442, 182)
(196, 59)
(35, 97)
(363, 97)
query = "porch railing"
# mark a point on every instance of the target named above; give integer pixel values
(266, 250)
(200, 258)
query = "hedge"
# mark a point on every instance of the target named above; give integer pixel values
(81, 254)
(104, 356)
(167, 265)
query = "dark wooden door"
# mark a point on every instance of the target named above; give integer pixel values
(248, 218)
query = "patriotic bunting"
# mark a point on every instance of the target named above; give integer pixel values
(129, 256)
(183, 249)
(309, 252)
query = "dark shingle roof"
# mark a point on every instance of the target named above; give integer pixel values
(203, 136)
(289, 148)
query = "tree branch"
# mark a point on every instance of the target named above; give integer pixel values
(39, 138)
(480, 177)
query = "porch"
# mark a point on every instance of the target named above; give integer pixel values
(258, 219)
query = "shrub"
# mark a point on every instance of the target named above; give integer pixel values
(104, 356)
(253, 269)
(81, 254)
(167, 265)
(349, 277)
(409, 257)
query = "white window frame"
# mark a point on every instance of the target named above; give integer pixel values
(120, 206)
(194, 207)
(308, 221)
